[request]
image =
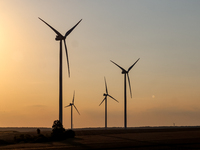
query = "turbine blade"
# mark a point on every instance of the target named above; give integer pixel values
(118, 66)
(67, 58)
(76, 109)
(73, 98)
(132, 65)
(106, 86)
(102, 101)
(129, 85)
(51, 27)
(68, 105)
(69, 31)
(113, 98)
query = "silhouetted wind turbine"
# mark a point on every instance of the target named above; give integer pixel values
(72, 104)
(105, 99)
(125, 103)
(60, 37)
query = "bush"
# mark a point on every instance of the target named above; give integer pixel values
(41, 138)
(27, 138)
(2, 142)
(23, 138)
(57, 131)
(69, 134)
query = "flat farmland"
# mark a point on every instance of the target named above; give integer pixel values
(133, 138)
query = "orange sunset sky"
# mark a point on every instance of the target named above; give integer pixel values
(165, 82)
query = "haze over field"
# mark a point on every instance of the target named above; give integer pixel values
(165, 81)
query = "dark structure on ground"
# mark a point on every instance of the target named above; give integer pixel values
(38, 131)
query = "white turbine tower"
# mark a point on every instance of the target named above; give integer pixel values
(125, 102)
(61, 38)
(105, 99)
(72, 104)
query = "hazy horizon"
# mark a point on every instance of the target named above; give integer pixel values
(165, 82)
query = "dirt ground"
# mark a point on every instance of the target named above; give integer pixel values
(139, 139)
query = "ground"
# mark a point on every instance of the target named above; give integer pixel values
(134, 138)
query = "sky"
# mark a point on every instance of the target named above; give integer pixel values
(165, 81)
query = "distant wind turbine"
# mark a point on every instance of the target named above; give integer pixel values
(72, 104)
(125, 103)
(105, 99)
(61, 38)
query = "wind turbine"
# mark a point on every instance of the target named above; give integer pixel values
(72, 104)
(105, 99)
(61, 38)
(125, 103)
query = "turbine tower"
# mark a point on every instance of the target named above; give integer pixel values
(72, 104)
(61, 38)
(105, 99)
(125, 102)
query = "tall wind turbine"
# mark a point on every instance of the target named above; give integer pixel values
(105, 99)
(72, 104)
(125, 103)
(61, 38)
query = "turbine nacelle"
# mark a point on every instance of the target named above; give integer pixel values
(105, 94)
(59, 37)
(124, 71)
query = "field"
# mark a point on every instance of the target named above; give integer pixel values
(113, 138)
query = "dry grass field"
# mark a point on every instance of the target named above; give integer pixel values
(117, 138)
